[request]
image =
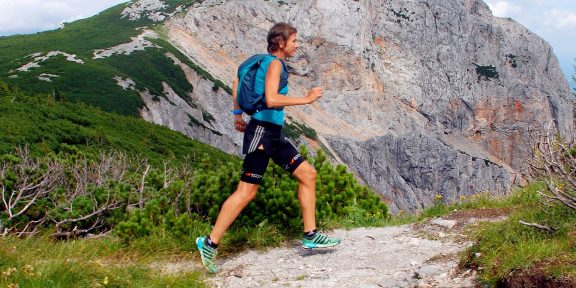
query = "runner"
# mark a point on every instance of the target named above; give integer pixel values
(264, 140)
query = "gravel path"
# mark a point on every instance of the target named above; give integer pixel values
(423, 255)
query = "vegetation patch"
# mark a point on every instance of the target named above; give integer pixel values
(294, 130)
(535, 246)
(203, 73)
(92, 82)
(40, 261)
(402, 14)
(512, 60)
(149, 69)
(486, 72)
(195, 122)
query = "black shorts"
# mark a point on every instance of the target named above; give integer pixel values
(276, 146)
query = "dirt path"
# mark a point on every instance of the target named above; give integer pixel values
(416, 255)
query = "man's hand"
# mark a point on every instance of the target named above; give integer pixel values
(314, 94)
(239, 123)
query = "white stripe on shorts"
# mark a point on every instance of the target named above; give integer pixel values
(257, 137)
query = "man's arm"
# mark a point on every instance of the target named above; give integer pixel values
(239, 122)
(235, 93)
(273, 99)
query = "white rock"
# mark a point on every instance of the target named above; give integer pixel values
(449, 224)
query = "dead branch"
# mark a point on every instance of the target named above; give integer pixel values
(110, 166)
(548, 229)
(35, 225)
(553, 162)
(76, 232)
(95, 213)
(32, 182)
(24, 182)
(141, 186)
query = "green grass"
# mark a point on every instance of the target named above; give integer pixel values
(518, 199)
(42, 262)
(508, 246)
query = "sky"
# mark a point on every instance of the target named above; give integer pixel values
(31, 16)
(553, 20)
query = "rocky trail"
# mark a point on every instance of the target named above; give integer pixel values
(424, 254)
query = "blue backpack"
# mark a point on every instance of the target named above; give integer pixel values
(249, 101)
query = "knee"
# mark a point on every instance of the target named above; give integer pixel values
(313, 173)
(247, 194)
(309, 175)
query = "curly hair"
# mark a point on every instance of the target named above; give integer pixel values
(278, 33)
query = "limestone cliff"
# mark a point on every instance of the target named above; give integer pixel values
(422, 98)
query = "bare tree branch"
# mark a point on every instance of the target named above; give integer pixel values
(548, 229)
(76, 232)
(141, 186)
(31, 182)
(25, 180)
(553, 162)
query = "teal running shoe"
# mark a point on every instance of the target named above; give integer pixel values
(319, 241)
(208, 254)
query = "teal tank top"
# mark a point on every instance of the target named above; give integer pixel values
(272, 116)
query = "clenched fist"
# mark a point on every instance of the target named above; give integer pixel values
(314, 94)
(239, 123)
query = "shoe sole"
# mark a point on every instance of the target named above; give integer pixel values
(319, 246)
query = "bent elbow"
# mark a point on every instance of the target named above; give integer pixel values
(270, 103)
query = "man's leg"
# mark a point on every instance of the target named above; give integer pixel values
(207, 245)
(253, 168)
(306, 175)
(232, 208)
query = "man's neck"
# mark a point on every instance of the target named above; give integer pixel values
(279, 54)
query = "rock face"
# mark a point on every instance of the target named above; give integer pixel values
(408, 168)
(421, 98)
(198, 122)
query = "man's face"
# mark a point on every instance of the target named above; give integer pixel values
(291, 46)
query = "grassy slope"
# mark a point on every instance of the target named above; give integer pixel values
(92, 81)
(41, 262)
(508, 248)
(47, 125)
